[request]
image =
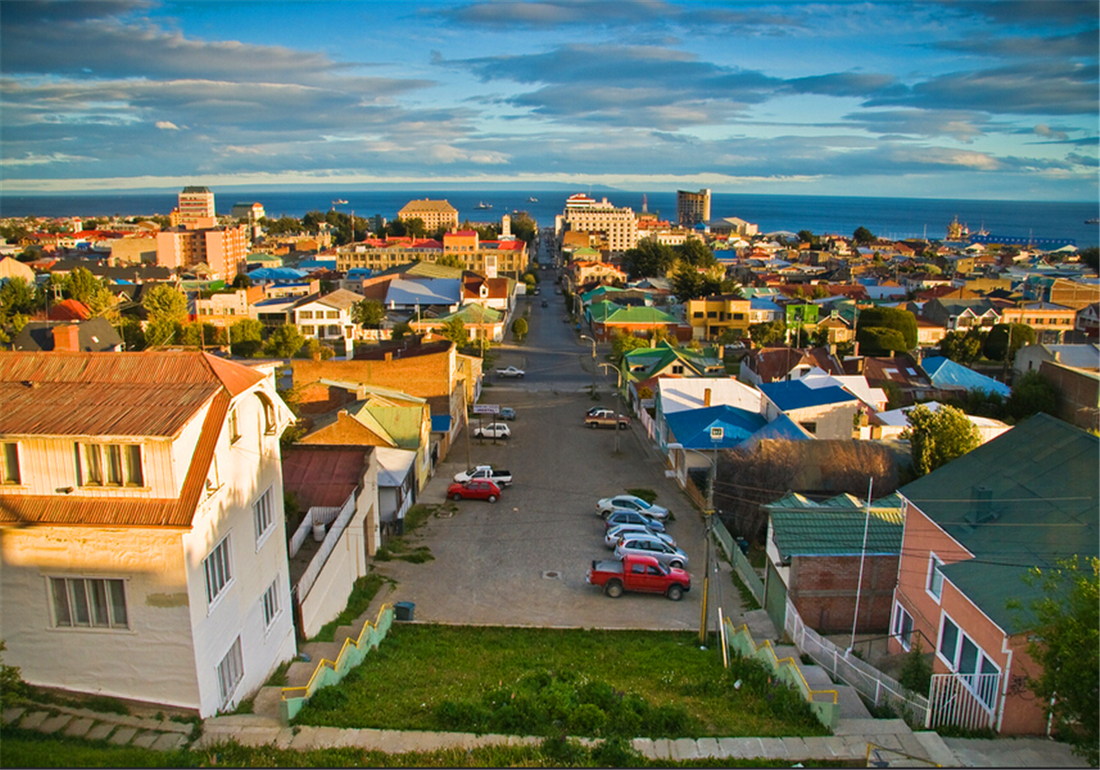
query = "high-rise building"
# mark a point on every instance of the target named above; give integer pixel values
(195, 209)
(619, 225)
(434, 214)
(222, 249)
(693, 208)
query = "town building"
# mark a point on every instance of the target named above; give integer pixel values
(584, 214)
(195, 209)
(222, 249)
(712, 316)
(434, 214)
(692, 208)
(141, 508)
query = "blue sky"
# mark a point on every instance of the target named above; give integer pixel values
(945, 100)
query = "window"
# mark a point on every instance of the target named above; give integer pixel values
(9, 464)
(949, 639)
(217, 570)
(307, 330)
(112, 465)
(903, 626)
(89, 603)
(305, 315)
(697, 314)
(271, 603)
(230, 673)
(261, 515)
(234, 427)
(809, 427)
(935, 577)
(269, 413)
(963, 656)
(332, 314)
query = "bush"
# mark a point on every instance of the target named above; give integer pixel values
(916, 672)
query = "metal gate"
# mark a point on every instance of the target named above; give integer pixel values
(967, 700)
(775, 598)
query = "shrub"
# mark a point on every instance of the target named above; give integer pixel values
(916, 672)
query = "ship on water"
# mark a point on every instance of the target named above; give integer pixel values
(339, 202)
(483, 205)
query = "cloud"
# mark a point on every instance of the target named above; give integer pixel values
(167, 125)
(31, 159)
(961, 125)
(1083, 160)
(1045, 131)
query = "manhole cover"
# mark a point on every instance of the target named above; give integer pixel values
(551, 575)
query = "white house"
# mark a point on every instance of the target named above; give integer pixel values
(141, 509)
(329, 318)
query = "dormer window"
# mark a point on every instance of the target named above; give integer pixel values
(109, 465)
(234, 427)
(9, 464)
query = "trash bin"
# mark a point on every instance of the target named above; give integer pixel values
(404, 610)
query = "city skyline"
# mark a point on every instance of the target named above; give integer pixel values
(956, 100)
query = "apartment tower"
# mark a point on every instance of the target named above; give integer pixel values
(693, 208)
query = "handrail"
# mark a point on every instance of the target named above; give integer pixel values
(333, 664)
(791, 663)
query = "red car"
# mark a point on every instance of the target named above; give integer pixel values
(477, 489)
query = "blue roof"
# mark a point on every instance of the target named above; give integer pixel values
(763, 303)
(691, 427)
(314, 264)
(782, 428)
(429, 291)
(441, 423)
(357, 272)
(947, 374)
(797, 395)
(277, 274)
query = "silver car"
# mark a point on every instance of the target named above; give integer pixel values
(632, 517)
(615, 534)
(647, 545)
(631, 503)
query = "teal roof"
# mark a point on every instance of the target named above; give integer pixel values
(1028, 498)
(802, 527)
(946, 373)
(642, 363)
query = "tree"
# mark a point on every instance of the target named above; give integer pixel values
(962, 347)
(400, 331)
(368, 313)
(455, 330)
(80, 284)
(862, 236)
(891, 318)
(519, 328)
(165, 303)
(939, 437)
(622, 343)
(241, 281)
(1067, 639)
(1031, 394)
(103, 304)
(879, 341)
(695, 252)
(766, 334)
(198, 334)
(648, 259)
(1090, 256)
(451, 260)
(687, 282)
(17, 296)
(284, 341)
(246, 337)
(997, 345)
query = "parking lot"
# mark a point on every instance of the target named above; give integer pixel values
(522, 561)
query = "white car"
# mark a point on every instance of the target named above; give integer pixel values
(493, 430)
(617, 533)
(646, 545)
(511, 371)
(631, 503)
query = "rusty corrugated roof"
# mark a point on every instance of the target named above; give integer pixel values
(323, 476)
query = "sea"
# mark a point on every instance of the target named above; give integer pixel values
(894, 218)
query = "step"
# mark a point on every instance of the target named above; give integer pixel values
(787, 651)
(268, 702)
(851, 705)
(299, 673)
(347, 632)
(817, 678)
(327, 650)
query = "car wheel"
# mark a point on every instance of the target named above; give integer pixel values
(614, 589)
(591, 425)
(520, 376)
(676, 564)
(676, 593)
(456, 496)
(492, 498)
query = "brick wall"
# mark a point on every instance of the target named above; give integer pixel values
(422, 376)
(823, 588)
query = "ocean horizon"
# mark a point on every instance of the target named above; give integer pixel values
(894, 218)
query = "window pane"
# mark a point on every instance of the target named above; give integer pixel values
(114, 464)
(79, 602)
(10, 461)
(134, 476)
(93, 473)
(948, 640)
(968, 657)
(98, 593)
(119, 616)
(61, 615)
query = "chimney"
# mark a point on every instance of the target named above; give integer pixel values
(706, 397)
(66, 338)
(388, 357)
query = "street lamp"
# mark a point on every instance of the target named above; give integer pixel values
(586, 337)
(618, 401)
(716, 436)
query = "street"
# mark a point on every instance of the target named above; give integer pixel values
(522, 561)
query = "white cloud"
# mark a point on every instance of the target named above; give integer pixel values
(167, 125)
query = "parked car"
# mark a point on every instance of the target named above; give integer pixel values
(615, 534)
(638, 573)
(507, 413)
(606, 418)
(511, 371)
(647, 545)
(632, 517)
(478, 489)
(493, 430)
(545, 303)
(631, 503)
(501, 478)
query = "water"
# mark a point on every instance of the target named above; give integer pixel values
(895, 218)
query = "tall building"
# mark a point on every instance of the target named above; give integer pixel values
(222, 249)
(693, 208)
(619, 225)
(195, 209)
(434, 214)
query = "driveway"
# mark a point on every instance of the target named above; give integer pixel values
(522, 561)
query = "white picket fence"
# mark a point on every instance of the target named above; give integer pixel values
(965, 700)
(875, 686)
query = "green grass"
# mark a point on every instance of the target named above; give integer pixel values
(362, 593)
(649, 495)
(421, 676)
(27, 748)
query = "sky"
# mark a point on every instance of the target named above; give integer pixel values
(972, 100)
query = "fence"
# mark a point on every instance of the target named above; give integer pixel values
(330, 672)
(740, 562)
(874, 685)
(316, 514)
(331, 538)
(966, 700)
(824, 703)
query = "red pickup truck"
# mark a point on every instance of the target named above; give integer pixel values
(639, 573)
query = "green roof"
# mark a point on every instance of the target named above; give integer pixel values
(1028, 498)
(802, 527)
(476, 314)
(655, 359)
(640, 315)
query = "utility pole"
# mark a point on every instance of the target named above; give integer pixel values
(586, 337)
(862, 557)
(618, 402)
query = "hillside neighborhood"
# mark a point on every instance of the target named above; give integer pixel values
(214, 428)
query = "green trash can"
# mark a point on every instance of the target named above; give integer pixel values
(404, 610)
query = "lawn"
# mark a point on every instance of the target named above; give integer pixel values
(433, 677)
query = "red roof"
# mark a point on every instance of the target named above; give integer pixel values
(69, 310)
(323, 476)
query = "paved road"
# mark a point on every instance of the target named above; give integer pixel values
(522, 561)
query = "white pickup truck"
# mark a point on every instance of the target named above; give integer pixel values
(511, 371)
(502, 478)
